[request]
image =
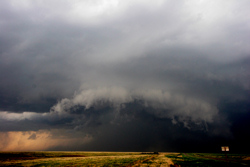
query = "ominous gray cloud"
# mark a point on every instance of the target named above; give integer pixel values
(117, 73)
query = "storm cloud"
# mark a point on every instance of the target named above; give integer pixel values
(124, 76)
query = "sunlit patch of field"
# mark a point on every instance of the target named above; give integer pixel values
(83, 159)
(124, 159)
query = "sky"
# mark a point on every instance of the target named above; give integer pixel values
(113, 75)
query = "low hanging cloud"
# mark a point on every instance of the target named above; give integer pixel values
(166, 104)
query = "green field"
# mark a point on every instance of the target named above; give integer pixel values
(210, 159)
(40, 159)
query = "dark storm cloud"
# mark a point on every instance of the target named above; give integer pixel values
(119, 72)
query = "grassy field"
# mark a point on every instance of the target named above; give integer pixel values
(40, 159)
(210, 159)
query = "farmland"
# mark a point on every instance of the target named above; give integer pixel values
(209, 159)
(121, 159)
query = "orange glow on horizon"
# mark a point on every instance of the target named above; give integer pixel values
(35, 140)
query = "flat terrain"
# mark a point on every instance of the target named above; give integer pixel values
(209, 159)
(126, 159)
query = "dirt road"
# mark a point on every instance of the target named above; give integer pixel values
(157, 160)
